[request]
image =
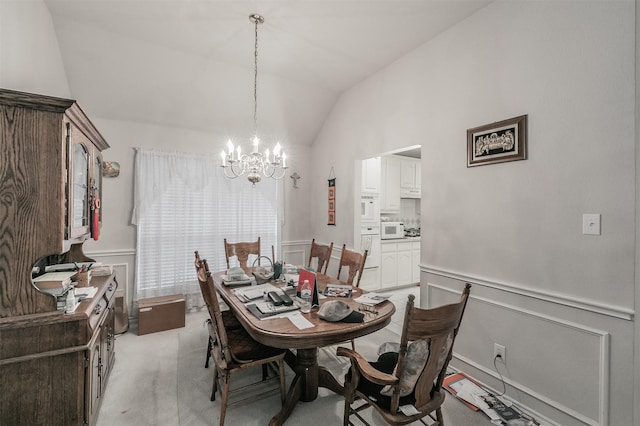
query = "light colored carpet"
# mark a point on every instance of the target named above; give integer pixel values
(160, 379)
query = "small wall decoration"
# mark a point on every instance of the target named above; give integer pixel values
(498, 142)
(295, 176)
(110, 169)
(332, 198)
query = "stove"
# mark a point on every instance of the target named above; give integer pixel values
(412, 232)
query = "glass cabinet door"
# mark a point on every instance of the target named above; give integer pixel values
(80, 185)
(97, 182)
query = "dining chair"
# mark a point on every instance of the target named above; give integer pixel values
(355, 262)
(228, 318)
(241, 251)
(234, 350)
(322, 253)
(414, 374)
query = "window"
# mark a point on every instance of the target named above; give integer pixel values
(184, 203)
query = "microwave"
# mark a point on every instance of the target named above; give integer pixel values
(391, 230)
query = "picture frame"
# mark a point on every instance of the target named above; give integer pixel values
(498, 142)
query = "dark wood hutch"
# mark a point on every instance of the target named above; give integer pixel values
(53, 365)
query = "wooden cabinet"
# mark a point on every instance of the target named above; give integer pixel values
(53, 366)
(390, 186)
(410, 178)
(399, 263)
(370, 183)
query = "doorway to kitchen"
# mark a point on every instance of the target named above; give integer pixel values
(388, 222)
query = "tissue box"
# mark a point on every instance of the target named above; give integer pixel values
(160, 313)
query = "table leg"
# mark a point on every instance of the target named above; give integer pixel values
(304, 386)
(326, 380)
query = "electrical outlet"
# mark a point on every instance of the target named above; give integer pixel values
(501, 351)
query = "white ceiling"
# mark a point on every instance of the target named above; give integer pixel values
(189, 63)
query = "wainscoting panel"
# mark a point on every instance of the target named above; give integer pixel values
(556, 362)
(123, 262)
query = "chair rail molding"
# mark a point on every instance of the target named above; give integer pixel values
(593, 306)
(604, 348)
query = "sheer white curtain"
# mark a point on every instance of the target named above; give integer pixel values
(184, 203)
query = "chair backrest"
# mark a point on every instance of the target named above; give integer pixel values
(222, 351)
(439, 327)
(323, 253)
(355, 262)
(241, 251)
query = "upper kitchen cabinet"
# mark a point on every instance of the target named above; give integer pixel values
(371, 176)
(410, 178)
(390, 186)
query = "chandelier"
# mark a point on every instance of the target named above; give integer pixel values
(256, 164)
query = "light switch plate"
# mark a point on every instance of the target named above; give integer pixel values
(591, 224)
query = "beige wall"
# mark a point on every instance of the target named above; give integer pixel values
(561, 302)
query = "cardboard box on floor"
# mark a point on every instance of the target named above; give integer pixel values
(160, 313)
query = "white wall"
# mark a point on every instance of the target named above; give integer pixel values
(26, 26)
(30, 61)
(561, 302)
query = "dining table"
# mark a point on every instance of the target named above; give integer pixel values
(303, 344)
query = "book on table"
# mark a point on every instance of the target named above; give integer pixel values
(54, 280)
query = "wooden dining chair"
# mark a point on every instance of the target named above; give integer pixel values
(241, 251)
(355, 262)
(413, 375)
(322, 253)
(228, 318)
(234, 350)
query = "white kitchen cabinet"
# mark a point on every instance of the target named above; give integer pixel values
(405, 268)
(371, 176)
(410, 178)
(399, 263)
(390, 185)
(388, 265)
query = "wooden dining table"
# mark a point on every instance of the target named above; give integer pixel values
(282, 333)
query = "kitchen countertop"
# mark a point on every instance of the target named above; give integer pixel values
(400, 240)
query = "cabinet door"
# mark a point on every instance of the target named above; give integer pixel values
(410, 178)
(78, 190)
(388, 270)
(84, 182)
(96, 174)
(407, 174)
(94, 382)
(405, 267)
(390, 196)
(371, 176)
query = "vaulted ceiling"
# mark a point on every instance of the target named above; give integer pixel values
(189, 63)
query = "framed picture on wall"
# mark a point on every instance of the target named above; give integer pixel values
(497, 142)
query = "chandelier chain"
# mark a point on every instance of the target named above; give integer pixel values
(255, 83)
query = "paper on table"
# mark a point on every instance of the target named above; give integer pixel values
(371, 298)
(298, 320)
(247, 294)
